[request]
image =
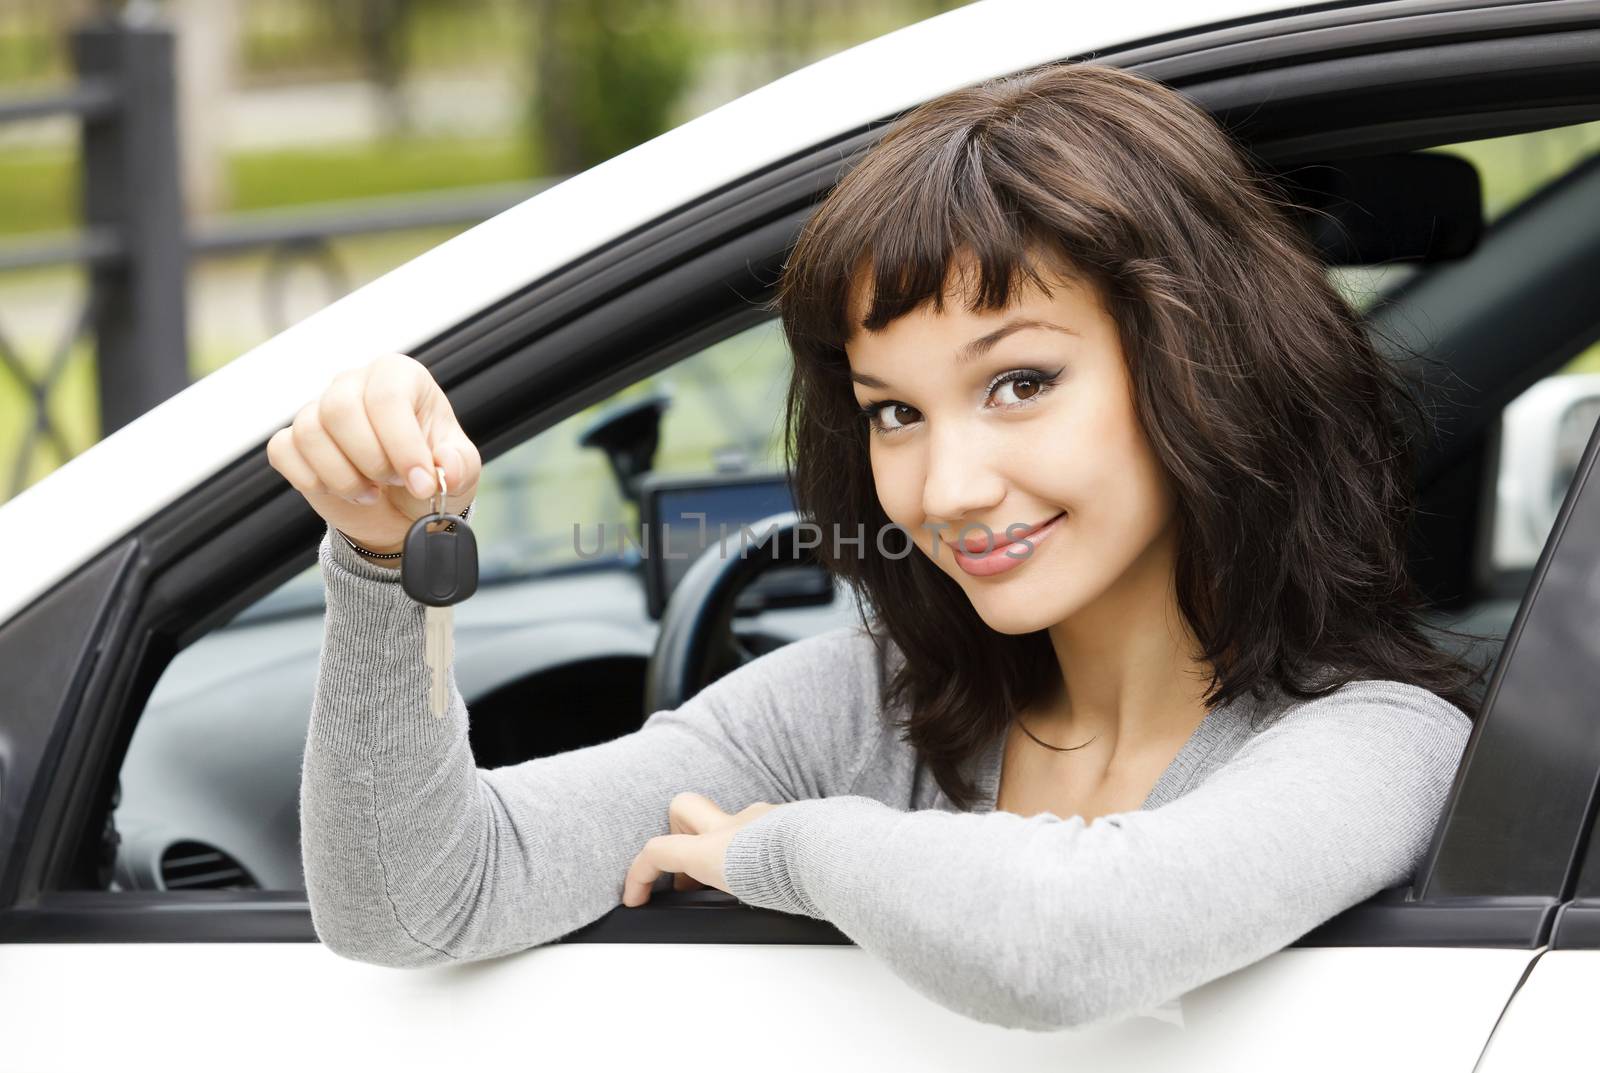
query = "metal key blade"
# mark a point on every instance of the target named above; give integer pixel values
(438, 652)
(439, 568)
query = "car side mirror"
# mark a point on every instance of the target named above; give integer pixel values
(1543, 433)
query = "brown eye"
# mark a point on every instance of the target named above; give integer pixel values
(1022, 388)
(873, 413)
(899, 412)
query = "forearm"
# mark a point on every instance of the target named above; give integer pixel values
(414, 855)
(411, 855)
(393, 821)
(926, 893)
(1046, 923)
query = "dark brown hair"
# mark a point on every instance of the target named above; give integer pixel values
(1287, 436)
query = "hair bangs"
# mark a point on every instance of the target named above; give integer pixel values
(892, 237)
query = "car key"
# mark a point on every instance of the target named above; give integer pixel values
(439, 569)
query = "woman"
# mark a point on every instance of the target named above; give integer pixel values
(1186, 715)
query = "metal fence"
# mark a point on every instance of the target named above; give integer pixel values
(135, 246)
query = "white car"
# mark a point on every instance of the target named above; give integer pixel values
(160, 612)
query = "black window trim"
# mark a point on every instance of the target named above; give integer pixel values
(147, 595)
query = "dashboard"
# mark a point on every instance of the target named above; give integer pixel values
(208, 794)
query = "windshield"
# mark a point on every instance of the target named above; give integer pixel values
(724, 414)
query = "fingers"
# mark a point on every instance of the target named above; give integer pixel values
(693, 813)
(468, 463)
(685, 881)
(663, 853)
(287, 460)
(449, 448)
(689, 816)
(398, 392)
(387, 423)
(342, 413)
(334, 471)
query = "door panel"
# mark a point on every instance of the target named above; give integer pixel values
(276, 1006)
(1550, 1022)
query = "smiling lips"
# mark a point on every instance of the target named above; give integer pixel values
(971, 557)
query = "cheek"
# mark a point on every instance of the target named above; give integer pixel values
(1133, 499)
(883, 478)
(898, 482)
(1117, 483)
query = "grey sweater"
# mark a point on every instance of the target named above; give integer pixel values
(1272, 818)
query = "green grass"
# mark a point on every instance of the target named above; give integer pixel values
(301, 176)
(42, 193)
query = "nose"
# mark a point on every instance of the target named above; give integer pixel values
(961, 484)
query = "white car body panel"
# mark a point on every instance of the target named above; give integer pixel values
(603, 1006)
(100, 495)
(1550, 1022)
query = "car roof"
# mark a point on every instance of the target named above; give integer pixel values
(104, 492)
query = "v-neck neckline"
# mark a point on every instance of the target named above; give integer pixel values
(1173, 780)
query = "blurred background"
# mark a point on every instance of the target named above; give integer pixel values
(182, 179)
(268, 156)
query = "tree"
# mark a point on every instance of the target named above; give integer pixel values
(608, 74)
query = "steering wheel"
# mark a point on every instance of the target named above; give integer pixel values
(696, 644)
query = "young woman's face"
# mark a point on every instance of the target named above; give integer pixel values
(1014, 419)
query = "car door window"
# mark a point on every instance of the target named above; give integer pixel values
(209, 790)
(1540, 435)
(1536, 440)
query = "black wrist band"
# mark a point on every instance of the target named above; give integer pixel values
(396, 554)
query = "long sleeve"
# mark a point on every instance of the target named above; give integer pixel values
(1047, 923)
(415, 856)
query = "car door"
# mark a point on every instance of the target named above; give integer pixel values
(1548, 1022)
(1416, 977)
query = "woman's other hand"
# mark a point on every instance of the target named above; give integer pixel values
(694, 850)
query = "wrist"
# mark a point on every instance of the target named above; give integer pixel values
(390, 555)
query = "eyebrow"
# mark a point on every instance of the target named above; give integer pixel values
(974, 349)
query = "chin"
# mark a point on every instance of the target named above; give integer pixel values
(1034, 604)
(1016, 629)
(1012, 620)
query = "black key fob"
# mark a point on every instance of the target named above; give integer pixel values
(439, 567)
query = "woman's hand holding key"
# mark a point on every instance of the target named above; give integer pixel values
(363, 453)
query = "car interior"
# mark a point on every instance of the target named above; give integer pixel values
(1450, 269)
